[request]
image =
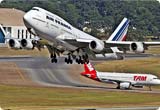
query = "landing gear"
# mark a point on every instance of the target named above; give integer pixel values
(150, 88)
(85, 58)
(53, 58)
(118, 87)
(79, 60)
(68, 60)
(82, 59)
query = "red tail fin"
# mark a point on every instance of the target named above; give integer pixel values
(89, 71)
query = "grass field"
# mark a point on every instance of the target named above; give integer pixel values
(11, 52)
(153, 50)
(32, 98)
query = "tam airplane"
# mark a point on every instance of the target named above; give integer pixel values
(66, 39)
(123, 80)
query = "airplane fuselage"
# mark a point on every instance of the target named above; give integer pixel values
(53, 28)
(134, 79)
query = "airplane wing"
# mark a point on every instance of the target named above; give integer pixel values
(151, 43)
(128, 43)
(139, 47)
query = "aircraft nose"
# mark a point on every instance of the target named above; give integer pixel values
(157, 82)
(27, 20)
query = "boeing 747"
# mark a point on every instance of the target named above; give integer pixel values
(66, 39)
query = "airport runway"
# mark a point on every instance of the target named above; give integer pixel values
(41, 71)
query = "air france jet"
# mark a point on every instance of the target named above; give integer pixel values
(123, 80)
(78, 44)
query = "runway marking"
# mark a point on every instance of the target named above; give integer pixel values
(18, 71)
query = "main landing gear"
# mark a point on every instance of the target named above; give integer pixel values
(54, 58)
(82, 59)
(79, 60)
(68, 60)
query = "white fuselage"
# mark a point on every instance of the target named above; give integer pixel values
(133, 79)
(53, 28)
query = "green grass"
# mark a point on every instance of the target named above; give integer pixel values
(4, 51)
(28, 97)
(153, 50)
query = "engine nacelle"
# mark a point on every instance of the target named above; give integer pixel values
(96, 46)
(14, 44)
(125, 85)
(137, 47)
(27, 44)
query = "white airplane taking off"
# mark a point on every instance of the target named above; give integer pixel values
(123, 80)
(78, 44)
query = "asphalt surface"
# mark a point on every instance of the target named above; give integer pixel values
(42, 71)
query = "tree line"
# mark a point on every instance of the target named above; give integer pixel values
(144, 15)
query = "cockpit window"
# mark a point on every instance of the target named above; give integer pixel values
(35, 9)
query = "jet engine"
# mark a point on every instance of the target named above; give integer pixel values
(125, 85)
(15, 44)
(96, 46)
(137, 47)
(27, 44)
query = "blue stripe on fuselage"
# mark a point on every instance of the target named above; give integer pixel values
(120, 31)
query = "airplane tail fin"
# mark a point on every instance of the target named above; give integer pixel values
(89, 71)
(120, 33)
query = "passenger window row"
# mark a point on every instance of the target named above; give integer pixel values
(50, 18)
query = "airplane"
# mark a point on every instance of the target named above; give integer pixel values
(123, 80)
(66, 39)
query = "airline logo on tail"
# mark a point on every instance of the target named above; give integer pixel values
(89, 71)
(120, 33)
